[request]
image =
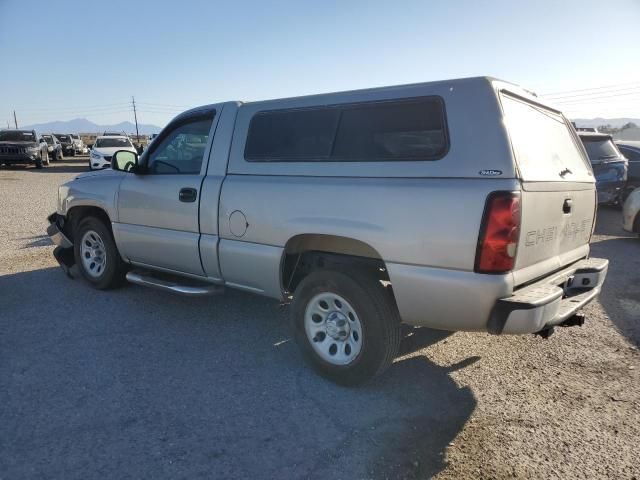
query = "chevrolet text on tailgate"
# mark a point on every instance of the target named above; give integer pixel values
(460, 205)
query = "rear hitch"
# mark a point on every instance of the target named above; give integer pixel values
(575, 320)
(545, 333)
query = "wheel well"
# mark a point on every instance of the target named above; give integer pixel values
(306, 253)
(76, 214)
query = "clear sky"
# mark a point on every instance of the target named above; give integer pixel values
(64, 59)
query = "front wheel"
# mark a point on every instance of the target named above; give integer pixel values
(97, 256)
(346, 325)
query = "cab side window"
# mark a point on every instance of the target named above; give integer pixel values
(181, 149)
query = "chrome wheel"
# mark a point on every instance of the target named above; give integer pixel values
(93, 254)
(333, 328)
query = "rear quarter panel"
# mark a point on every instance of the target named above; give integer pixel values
(430, 222)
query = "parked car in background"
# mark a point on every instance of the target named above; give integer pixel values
(631, 151)
(631, 212)
(609, 166)
(68, 148)
(23, 147)
(115, 134)
(103, 149)
(54, 147)
(78, 145)
(364, 209)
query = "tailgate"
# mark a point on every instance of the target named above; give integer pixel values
(558, 188)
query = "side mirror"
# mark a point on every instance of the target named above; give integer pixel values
(124, 161)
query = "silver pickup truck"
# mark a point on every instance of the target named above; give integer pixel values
(459, 205)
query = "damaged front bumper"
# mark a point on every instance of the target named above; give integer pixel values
(55, 231)
(63, 253)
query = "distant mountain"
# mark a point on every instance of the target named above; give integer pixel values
(82, 125)
(596, 122)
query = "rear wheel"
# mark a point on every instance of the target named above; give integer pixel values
(346, 325)
(97, 256)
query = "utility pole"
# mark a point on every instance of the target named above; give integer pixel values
(135, 116)
(15, 120)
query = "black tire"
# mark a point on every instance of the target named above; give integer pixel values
(378, 314)
(115, 269)
(636, 223)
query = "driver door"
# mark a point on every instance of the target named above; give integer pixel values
(158, 210)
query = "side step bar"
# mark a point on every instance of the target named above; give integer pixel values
(168, 284)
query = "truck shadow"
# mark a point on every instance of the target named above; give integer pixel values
(620, 295)
(154, 385)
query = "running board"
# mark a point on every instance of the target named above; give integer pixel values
(173, 285)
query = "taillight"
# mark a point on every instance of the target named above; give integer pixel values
(499, 233)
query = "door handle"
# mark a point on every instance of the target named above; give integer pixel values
(566, 206)
(188, 195)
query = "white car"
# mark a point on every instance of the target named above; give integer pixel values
(105, 147)
(631, 212)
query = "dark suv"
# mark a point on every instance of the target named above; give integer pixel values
(609, 166)
(23, 146)
(68, 148)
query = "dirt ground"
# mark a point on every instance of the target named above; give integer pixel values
(135, 383)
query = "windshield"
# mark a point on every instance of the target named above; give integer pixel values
(75, 137)
(48, 139)
(16, 136)
(544, 146)
(63, 138)
(600, 148)
(113, 142)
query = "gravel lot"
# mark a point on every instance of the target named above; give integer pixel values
(134, 383)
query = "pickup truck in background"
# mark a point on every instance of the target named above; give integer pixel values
(459, 205)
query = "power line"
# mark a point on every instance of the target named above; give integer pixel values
(594, 99)
(586, 96)
(164, 105)
(81, 107)
(589, 89)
